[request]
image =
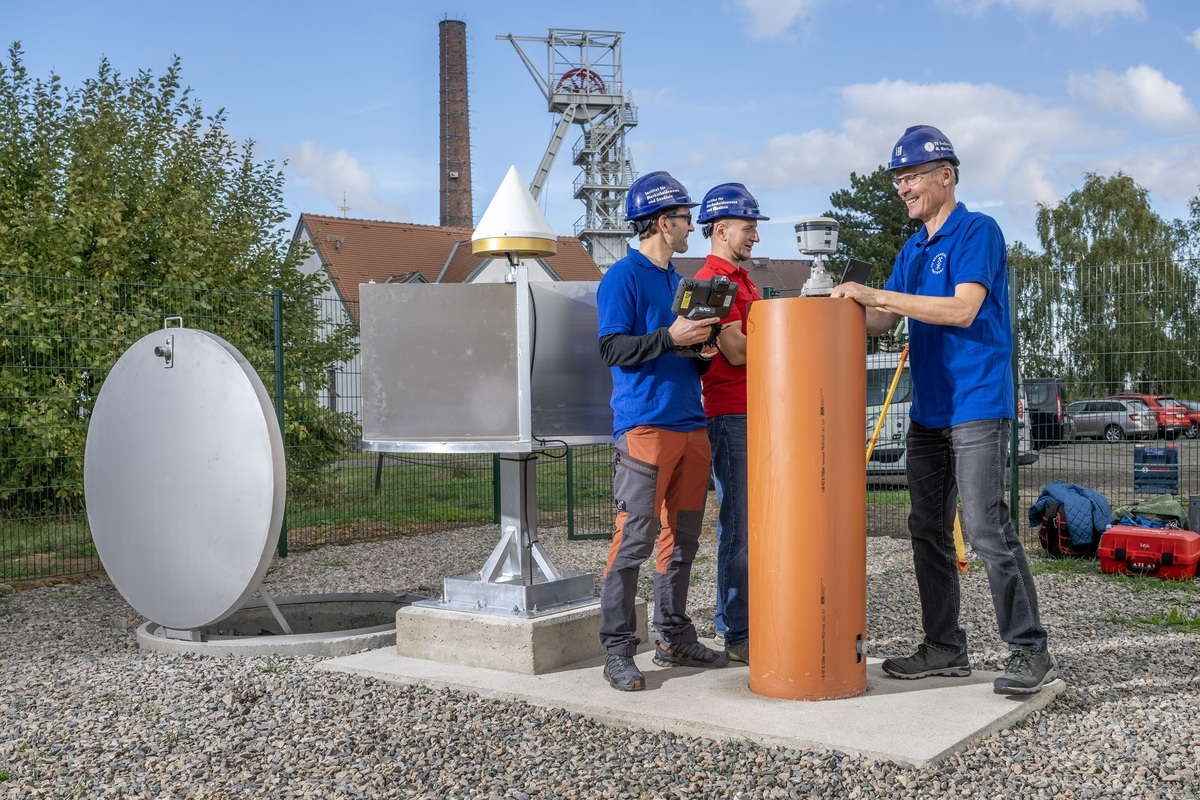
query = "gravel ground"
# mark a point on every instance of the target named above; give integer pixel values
(84, 713)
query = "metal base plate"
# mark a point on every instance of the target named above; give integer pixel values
(469, 593)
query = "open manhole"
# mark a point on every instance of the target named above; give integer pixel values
(326, 625)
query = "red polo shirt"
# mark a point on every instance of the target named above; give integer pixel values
(724, 383)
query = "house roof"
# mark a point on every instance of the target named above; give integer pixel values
(360, 251)
(781, 274)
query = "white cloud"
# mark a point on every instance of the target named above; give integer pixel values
(993, 130)
(1142, 93)
(332, 176)
(1170, 172)
(1194, 39)
(1017, 150)
(1064, 13)
(771, 19)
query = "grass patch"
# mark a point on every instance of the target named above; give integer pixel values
(1145, 584)
(1063, 566)
(417, 490)
(32, 547)
(1176, 618)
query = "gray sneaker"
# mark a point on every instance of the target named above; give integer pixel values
(928, 661)
(622, 674)
(1026, 672)
(739, 652)
(692, 654)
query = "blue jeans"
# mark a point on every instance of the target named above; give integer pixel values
(967, 459)
(727, 435)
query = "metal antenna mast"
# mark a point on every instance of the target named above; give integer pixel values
(583, 84)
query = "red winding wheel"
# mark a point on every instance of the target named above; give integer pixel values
(580, 81)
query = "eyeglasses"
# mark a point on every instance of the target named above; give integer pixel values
(911, 178)
(687, 217)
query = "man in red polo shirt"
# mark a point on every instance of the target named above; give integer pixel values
(729, 217)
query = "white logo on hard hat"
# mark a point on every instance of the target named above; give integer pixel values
(929, 147)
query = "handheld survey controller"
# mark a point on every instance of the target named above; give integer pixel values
(701, 299)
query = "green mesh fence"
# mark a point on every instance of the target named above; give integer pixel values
(58, 339)
(1098, 330)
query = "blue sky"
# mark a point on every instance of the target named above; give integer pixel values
(786, 96)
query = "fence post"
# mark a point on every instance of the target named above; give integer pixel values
(1014, 444)
(496, 488)
(277, 303)
(570, 496)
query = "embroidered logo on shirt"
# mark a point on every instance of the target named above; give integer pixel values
(938, 264)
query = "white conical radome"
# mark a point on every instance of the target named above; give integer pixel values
(513, 223)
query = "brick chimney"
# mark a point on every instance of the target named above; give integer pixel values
(456, 208)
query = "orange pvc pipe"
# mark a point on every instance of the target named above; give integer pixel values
(807, 548)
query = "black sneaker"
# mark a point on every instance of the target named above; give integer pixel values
(622, 674)
(1026, 672)
(928, 661)
(692, 654)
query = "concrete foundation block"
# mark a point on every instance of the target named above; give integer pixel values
(528, 646)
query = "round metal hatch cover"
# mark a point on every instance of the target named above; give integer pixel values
(184, 478)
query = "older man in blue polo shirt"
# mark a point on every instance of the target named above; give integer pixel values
(950, 280)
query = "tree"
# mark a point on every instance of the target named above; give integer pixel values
(121, 201)
(873, 222)
(1035, 289)
(1123, 311)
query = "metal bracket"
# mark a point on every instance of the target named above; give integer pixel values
(287, 629)
(166, 351)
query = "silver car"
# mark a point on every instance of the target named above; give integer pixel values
(1113, 419)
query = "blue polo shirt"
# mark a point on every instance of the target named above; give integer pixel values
(635, 298)
(959, 374)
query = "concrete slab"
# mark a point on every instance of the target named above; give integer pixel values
(909, 722)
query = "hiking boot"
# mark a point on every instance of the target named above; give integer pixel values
(692, 654)
(622, 674)
(928, 661)
(739, 652)
(1026, 672)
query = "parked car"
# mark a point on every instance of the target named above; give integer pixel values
(1047, 404)
(887, 459)
(1112, 419)
(1171, 416)
(1193, 412)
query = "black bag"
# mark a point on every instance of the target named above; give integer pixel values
(1056, 539)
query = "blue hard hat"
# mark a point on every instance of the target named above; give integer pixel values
(919, 145)
(728, 200)
(654, 192)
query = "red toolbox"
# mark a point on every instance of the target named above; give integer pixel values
(1161, 552)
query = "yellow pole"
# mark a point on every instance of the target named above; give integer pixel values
(960, 548)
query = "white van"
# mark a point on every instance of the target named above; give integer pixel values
(887, 460)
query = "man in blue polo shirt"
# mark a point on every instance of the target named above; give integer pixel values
(662, 453)
(951, 282)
